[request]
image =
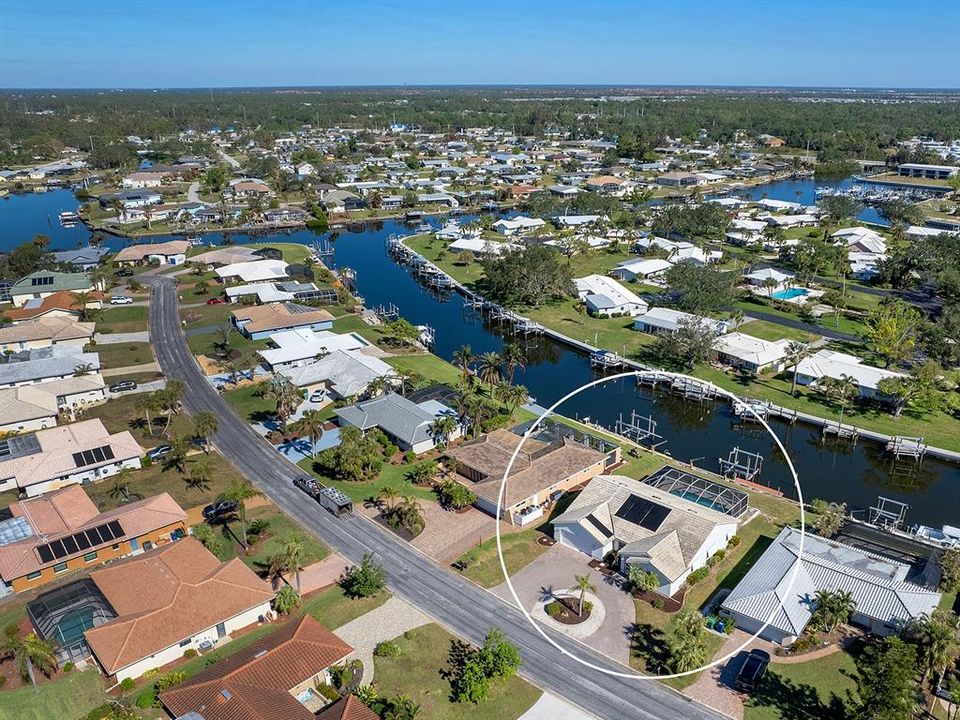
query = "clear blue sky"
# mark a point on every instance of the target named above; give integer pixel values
(202, 43)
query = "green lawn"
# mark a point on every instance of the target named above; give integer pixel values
(804, 690)
(121, 413)
(122, 355)
(138, 377)
(125, 318)
(292, 252)
(249, 404)
(771, 331)
(419, 674)
(157, 479)
(70, 697)
(393, 476)
(203, 344)
(430, 367)
(206, 315)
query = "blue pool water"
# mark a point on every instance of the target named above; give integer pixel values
(789, 293)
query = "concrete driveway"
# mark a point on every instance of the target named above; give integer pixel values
(449, 534)
(550, 707)
(554, 571)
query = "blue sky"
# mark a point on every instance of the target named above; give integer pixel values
(214, 43)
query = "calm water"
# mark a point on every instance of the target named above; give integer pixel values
(701, 433)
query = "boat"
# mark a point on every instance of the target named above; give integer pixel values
(69, 216)
(424, 227)
(947, 536)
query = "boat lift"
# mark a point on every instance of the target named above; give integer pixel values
(888, 514)
(913, 448)
(639, 428)
(741, 465)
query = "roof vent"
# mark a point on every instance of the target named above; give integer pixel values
(226, 694)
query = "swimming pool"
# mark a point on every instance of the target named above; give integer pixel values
(790, 293)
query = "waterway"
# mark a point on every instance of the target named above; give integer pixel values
(855, 474)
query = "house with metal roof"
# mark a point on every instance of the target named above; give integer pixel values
(667, 320)
(834, 364)
(85, 258)
(301, 346)
(44, 283)
(885, 600)
(605, 297)
(43, 364)
(648, 524)
(409, 425)
(341, 374)
(751, 353)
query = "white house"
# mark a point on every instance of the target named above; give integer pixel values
(518, 225)
(26, 408)
(254, 271)
(640, 269)
(479, 246)
(833, 364)
(660, 320)
(646, 525)
(302, 345)
(606, 297)
(750, 353)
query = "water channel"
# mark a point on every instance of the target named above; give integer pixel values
(855, 474)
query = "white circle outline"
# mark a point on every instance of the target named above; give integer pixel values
(633, 675)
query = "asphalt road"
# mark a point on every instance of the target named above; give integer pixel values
(452, 601)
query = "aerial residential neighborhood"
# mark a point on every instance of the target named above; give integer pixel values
(434, 361)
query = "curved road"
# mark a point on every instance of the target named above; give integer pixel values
(452, 601)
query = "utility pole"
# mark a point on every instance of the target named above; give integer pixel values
(92, 149)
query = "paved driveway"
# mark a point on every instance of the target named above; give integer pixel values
(550, 707)
(554, 571)
(118, 338)
(448, 534)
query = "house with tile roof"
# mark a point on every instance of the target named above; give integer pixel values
(26, 408)
(172, 252)
(260, 321)
(647, 526)
(170, 600)
(45, 331)
(340, 374)
(885, 600)
(58, 304)
(77, 453)
(273, 678)
(543, 470)
(48, 537)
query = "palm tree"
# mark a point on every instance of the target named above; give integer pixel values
(488, 367)
(83, 299)
(411, 515)
(287, 398)
(462, 359)
(312, 425)
(200, 475)
(289, 557)
(841, 389)
(514, 396)
(640, 579)
(442, 427)
(583, 584)
(28, 652)
(240, 491)
(120, 490)
(832, 608)
(936, 639)
(377, 386)
(205, 424)
(169, 400)
(145, 403)
(177, 457)
(388, 496)
(797, 352)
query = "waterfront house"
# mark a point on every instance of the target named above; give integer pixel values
(144, 179)
(173, 252)
(340, 374)
(605, 297)
(645, 525)
(609, 185)
(275, 677)
(641, 269)
(247, 188)
(544, 469)
(517, 225)
(885, 600)
(46, 537)
(836, 365)
(408, 424)
(292, 348)
(576, 221)
(44, 332)
(667, 320)
(84, 258)
(479, 246)
(257, 322)
(44, 283)
(678, 179)
(751, 354)
(130, 199)
(769, 276)
(173, 599)
(254, 271)
(77, 453)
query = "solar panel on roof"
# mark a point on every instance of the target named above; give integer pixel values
(46, 555)
(69, 544)
(93, 536)
(82, 542)
(115, 529)
(599, 526)
(58, 549)
(96, 455)
(642, 512)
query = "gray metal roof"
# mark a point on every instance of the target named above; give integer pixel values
(349, 373)
(875, 583)
(393, 414)
(53, 362)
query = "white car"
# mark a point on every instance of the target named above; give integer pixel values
(121, 300)
(317, 396)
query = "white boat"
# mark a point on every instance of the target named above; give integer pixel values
(947, 536)
(69, 216)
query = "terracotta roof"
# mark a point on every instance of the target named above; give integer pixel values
(143, 250)
(538, 466)
(254, 684)
(349, 708)
(63, 300)
(166, 596)
(69, 510)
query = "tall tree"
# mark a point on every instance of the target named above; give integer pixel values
(583, 585)
(29, 652)
(312, 424)
(797, 352)
(892, 330)
(240, 491)
(887, 680)
(289, 556)
(205, 424)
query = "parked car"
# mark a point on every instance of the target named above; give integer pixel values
(308, 485)
(216, 301)
(752, 671)
(124, 272)
(159, 451)
(317, 396)
(123, 385)
(218, 509)
(120, 300)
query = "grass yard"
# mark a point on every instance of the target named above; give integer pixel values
(419, 674)
(121, 413)
(206, 315)
(650, 653)
(249, 405)
(203, 343)
(70, 697)
(393, 476)
(615, 334)
(812, 689)
(126, 318)
(156, 479)
(771, 331)
(138, 377)
(430, 367)
(292, 252)
(122, 355)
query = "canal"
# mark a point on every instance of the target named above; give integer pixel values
(702, 433)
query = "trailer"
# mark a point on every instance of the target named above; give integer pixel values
(335, 501)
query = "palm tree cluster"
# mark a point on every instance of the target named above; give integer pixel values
(401, 512)
(486, 378)
(832, 609)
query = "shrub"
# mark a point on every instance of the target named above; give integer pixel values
(364, 580)
(190, 653)
(554, 609)
(716, 558)
(803, 643)
(170, 679)
(151, 673)
(387, 649)
(146, 461)
(3, 680)
(698, 575)
(733, 541)
(146, 699)
(328, 691)
(68, 667)
(126, 685)
(657, 603)
(409, 457)
(257, 527)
